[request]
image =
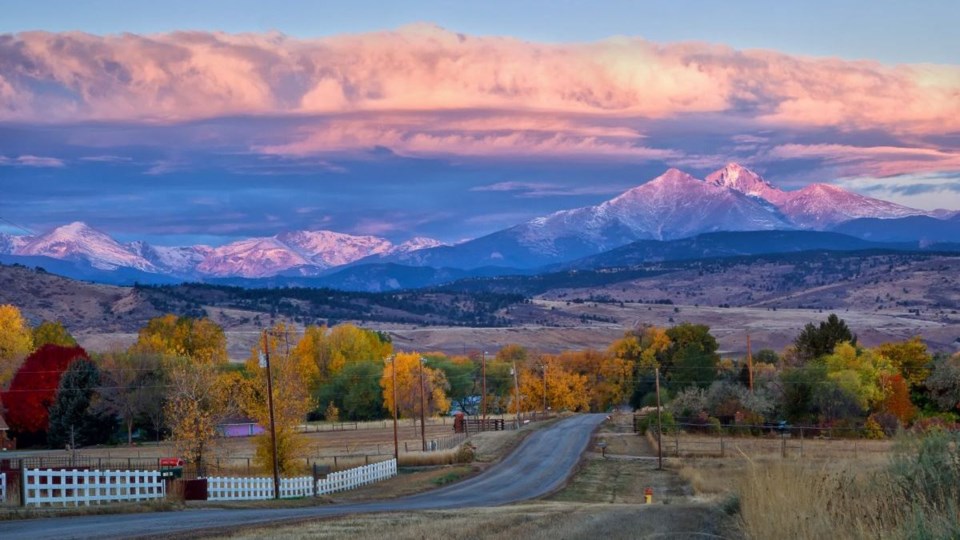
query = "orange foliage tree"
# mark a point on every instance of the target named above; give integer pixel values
(408, 366)
(896, 398)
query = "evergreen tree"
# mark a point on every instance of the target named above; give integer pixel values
(814, 342)
(75, 408)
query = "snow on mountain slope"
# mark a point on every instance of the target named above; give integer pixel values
(739, 178)
(9, 243)
(78, 241)
(817, 206)
(820, 206)
(673, 205)
(180, 260)
(327, 249)
(416, 244)
(254, 257)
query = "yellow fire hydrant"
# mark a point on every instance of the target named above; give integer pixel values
(648, 495)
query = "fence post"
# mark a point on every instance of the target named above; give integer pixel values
(722, 452)
(783, 444)
(801, 442)
(23, 484)
(676, 438)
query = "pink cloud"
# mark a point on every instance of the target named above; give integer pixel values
(878, 161)
(191, 75)
(439, 134)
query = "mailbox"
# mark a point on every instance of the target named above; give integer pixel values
(171, 468)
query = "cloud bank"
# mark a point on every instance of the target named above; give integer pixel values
(68, 77)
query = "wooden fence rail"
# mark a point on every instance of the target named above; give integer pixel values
(354, 478)
(259, 488)
(80, 487)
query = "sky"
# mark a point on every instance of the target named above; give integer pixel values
(204, 122)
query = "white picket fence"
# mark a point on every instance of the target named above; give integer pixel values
(223, 488)
(261, 488)
(60, 487)
(359, 476)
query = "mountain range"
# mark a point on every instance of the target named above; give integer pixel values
(673, 206)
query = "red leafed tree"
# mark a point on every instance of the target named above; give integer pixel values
(34, 387)
(897, 398)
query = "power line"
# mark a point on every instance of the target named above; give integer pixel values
(21, 227)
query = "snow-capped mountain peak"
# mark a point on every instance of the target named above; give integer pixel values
(79, 241)
(739, 178)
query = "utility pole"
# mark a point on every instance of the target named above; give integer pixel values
(483, 397)
(396, 437)
(749, 363)
(423, 409)
(544, 389)
(273, 426)
(659, 425)
(516, 386)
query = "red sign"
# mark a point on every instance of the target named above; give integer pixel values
(171, 462)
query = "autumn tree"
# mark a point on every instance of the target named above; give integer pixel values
(646, 347)
(52, 333)
(609, 377)
(816, 341)
(408, 368)
(16, 342)
(77, 416)
(896, 398)
(200, 340)
(330, 349)
(291, 398)
(910, 358)
(34, 386)
(197, 401)
(565, 389)
(134, 388)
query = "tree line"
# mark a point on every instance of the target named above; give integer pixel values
(175, 382)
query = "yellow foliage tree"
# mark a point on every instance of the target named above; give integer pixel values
(16, 342)
(291, 399)
(909, 357)
(642, 346)
(408, 366)
(197, 401)
(200, 340)
(330, 349)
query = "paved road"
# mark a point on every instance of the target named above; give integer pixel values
(540, 464)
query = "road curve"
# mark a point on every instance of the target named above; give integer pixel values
(541, 464)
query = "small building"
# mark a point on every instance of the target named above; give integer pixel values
(239, 426)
